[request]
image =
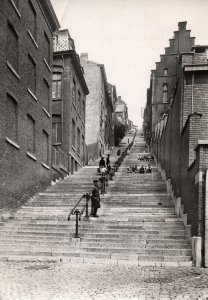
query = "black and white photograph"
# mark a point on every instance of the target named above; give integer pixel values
(104, 150)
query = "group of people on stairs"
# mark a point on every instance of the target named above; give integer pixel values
(141, 170)
(104, 166)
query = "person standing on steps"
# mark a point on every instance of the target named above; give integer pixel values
(95, 198)
(102, 165)
(108, 161)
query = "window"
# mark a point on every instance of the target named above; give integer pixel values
(46, 95)
(165, 93)
(201, 77)
(47, 50)
(30, 134)
(11, 118)
(73, 133)
(56, 129)
(78, 140)
(79, 102)
(74, 92)
(32, 17)
(31, 75)
(56, 86)
(45, 145)
(165, 71)
(12, 47)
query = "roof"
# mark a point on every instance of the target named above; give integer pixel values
(49, 14)
(77, 66)
(119, 108)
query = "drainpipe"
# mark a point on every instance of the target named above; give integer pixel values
(192, 94)
(206, 222)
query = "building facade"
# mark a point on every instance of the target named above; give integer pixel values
(181, 147)
(99, 109)
(121, 111)
(25, 88)
(113, 95)
(164, 78)
(68, 106)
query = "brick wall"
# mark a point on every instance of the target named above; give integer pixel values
(71, 108)
(24, 173)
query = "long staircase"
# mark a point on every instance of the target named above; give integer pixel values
(136, 224)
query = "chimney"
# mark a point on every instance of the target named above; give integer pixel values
(182, 25)
(84, 56)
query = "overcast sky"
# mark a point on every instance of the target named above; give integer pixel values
(128, 36)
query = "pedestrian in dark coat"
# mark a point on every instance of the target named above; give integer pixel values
(119, 152)
(141, 170)
(108, 161)
(95, 198)
(102, 165)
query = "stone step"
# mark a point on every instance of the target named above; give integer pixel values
(95, 243)
(99, 222)
(52, 259)
(138, 244)
(93, 255)
(144, 234)
(95, 231)
(137, 221)
(100, 226)
(59, 249)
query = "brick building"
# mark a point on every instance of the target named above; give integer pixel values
(99, 109)
(181, 147)
(25, 89)
(68, 106)
(164, 78)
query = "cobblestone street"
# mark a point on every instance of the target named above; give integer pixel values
(64, 281)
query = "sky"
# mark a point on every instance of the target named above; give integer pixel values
(128, 36)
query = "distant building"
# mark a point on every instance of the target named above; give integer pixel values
(113, 95)
(99, 109)
(121, 111)
(69, 92)
(129, 124)
(25, 89)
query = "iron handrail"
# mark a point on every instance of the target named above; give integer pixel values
(75, 206)
(87, 196)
